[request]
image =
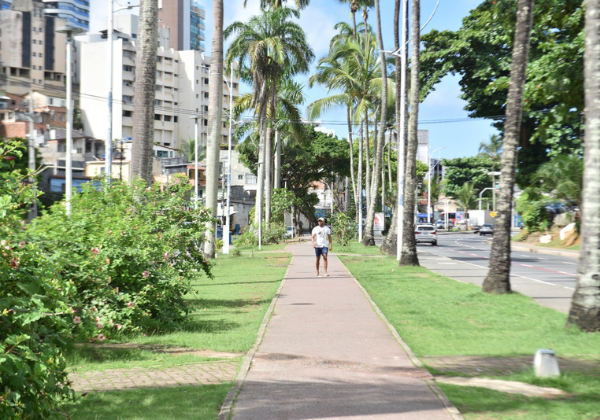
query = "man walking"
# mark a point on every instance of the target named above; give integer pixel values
(321, 235)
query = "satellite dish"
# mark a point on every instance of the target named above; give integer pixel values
(22, 6)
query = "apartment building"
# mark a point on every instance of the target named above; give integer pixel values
(32, 53)
(185, 20)
(181, 90)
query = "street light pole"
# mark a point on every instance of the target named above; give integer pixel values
(227, 221)
(70, 31)
(195, 118)
(482, 191)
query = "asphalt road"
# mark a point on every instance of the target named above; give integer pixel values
(549, 279)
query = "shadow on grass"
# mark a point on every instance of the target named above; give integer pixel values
(85, 354)
(187, 402)
(201, 304)
(206, 326)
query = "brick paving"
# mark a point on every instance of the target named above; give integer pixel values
(498, 366)
(119, 379)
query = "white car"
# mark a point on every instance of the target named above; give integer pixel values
(426, 234)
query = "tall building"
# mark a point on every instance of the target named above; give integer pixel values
(182, 90)
(75, 12)
(185, 20)
(32, 53)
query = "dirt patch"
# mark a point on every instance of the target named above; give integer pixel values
(533, 238)
(158, 348)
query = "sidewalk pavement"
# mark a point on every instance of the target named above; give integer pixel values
(327, 354)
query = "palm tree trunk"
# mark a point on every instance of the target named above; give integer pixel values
(215, 109)
(409, 247)
(145, 91)
(367, 163)
(277, 181)
(585, 306)
(262, 118)
(350, 141)
(359, 188)
(369, 239)
(390, 242)
(498, 277)
(268, 160)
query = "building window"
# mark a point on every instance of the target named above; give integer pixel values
(127, 113)
(127, 68)
(34, 54)
(34, 41)
(41, 55)
(156, 117)
(205, 108)
(62, 118)
(240, 177)
(205, 123)
(206, 94)
(197, 96)
(251, 179)
(175, 119)
(127, 98)
(196, 81)
(167, 118)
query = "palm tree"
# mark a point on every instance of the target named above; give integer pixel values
(354, 6)
(369, 238)
(585, 306)
(493, 151)
(275, 4)
(269, 47)
(465, 197)
(215, 115)
(498, 277)
(409, 246)
(562, 176)
(145, 91)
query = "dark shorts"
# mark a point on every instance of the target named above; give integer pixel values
(321, 251)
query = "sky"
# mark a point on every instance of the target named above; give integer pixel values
(457, 139)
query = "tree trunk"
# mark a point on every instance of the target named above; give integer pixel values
(262, 118)
(367, 163)
(145, 91)
(585, 306)
(369, 239)
(359, 188)
(215, 109)
(350, 141)
(390, 242)
(409, 246)
(268, 160)
(277, 181)
(498, 277)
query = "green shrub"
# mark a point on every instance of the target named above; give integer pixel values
(35, 316)
(273, 233)
(344, 228)
(130, 252)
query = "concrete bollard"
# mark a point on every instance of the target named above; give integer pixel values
(545, 363)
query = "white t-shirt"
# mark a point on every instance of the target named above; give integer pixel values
(321, 234)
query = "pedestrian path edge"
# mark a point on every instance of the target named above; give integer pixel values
(452, 410)
(225, 412)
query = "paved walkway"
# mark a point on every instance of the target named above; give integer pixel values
(135, 378)
(327, 354)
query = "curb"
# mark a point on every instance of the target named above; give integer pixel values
(452, 410)
(537, 250)
(227, 407)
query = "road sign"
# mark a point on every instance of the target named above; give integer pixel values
(493, 214)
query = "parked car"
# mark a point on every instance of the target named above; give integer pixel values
(486, 229)
(290, 231)
(476, 228)
(441, 224)
(426, 234)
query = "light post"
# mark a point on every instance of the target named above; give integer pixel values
(195, 118)
(70, 31)
(227, 222)
(429, 185)
(359, 189)
(109, 39)
(482, 191)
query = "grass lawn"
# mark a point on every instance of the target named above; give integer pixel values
(356, 248)
(176, 403)
(226, 313)
(436, 315)
(272, 247)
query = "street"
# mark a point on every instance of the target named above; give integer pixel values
(549, 279)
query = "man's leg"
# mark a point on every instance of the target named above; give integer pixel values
(325, 263)
(318, 253)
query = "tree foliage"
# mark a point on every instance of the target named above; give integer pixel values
(468, 169)
(480, 52)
